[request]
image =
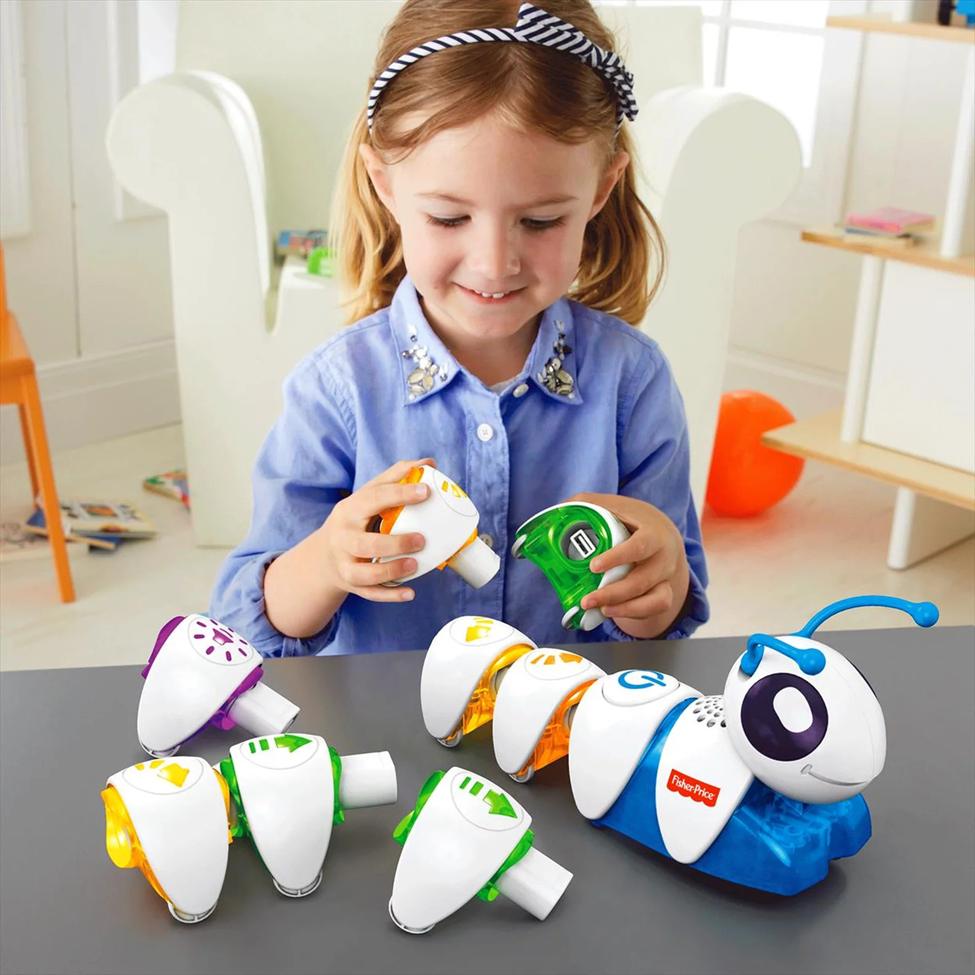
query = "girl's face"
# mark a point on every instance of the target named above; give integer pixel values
(487, 208)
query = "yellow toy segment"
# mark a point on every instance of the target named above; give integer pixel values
(225, 792)
(480, 707)
(448, 487)
(554, 742)
(122, 841)
(479, 629)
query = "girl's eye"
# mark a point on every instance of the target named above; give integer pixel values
(528, 222)
(445, 221)
(542, 224)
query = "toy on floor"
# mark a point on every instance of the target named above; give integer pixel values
(168, 818)
(467, 837)
(562, 541)
(760, 785)
(288, 790)
(447, 519)
(201, 672)
(746, 477)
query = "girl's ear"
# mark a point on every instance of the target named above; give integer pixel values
(609, 179)
(379, 176)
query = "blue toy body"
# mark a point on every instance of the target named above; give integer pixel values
(771, 842)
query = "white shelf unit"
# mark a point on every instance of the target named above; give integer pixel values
(915, 318)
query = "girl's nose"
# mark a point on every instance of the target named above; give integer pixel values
(495, 256)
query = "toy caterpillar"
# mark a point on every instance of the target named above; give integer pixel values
(759, 785)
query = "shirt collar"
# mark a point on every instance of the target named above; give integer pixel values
(427, 366)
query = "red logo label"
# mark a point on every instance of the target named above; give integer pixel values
(692, 788)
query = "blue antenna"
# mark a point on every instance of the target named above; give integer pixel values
(812, 661)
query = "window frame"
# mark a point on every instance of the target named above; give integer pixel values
(819, 195)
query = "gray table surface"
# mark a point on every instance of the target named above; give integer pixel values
(906, 903)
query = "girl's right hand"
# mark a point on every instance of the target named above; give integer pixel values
(348, 547)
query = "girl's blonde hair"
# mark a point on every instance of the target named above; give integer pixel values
(531, 87)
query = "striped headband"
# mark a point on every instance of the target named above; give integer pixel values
(534, 26)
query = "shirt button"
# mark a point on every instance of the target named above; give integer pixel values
(485, 432)
(488, 540)
(520, 390)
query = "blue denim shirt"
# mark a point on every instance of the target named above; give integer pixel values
(355, 406)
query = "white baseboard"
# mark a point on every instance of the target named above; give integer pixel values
(98, 397)
(803, 390)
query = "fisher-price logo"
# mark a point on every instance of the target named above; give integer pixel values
(693, 788)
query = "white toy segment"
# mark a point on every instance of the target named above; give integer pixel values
(476, 563)
(201, 663)
(178, 811)
(611, 729)
(447, 519)
(536, 883)
(465, 831)
(368, 779)
(792, 739)
(534, 687)
(263, 711)
(458, 657)
(700, 780)
(288, 794)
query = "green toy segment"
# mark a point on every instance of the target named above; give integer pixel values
(562, 542)
(406, 823)
(227, 770)
(338, 815)
(500, 806)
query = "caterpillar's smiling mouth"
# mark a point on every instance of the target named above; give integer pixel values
(808, 770)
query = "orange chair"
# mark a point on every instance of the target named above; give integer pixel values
(18, 384)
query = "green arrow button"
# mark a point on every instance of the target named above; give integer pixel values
(291, 742)
(500, 806)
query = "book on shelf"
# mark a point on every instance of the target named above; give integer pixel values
(18, 543)
(890, 221)
(855, 236)
(171, 484)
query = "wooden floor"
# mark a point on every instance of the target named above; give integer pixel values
(827, 540)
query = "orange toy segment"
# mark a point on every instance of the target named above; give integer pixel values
(554, 742)
(480, 707)
(389, 516)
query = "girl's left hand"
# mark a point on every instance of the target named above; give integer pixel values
(646, 602)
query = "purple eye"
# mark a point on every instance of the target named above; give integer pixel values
(765, 729)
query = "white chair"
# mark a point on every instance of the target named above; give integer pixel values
(191, 144)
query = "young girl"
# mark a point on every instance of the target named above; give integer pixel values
(489, 175)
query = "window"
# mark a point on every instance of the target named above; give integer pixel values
(781, 52)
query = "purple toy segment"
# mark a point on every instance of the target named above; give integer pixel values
(221, 718)
(160, 640)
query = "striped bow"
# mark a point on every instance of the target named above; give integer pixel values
(534, 26)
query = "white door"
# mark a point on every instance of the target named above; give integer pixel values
(87, 266)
